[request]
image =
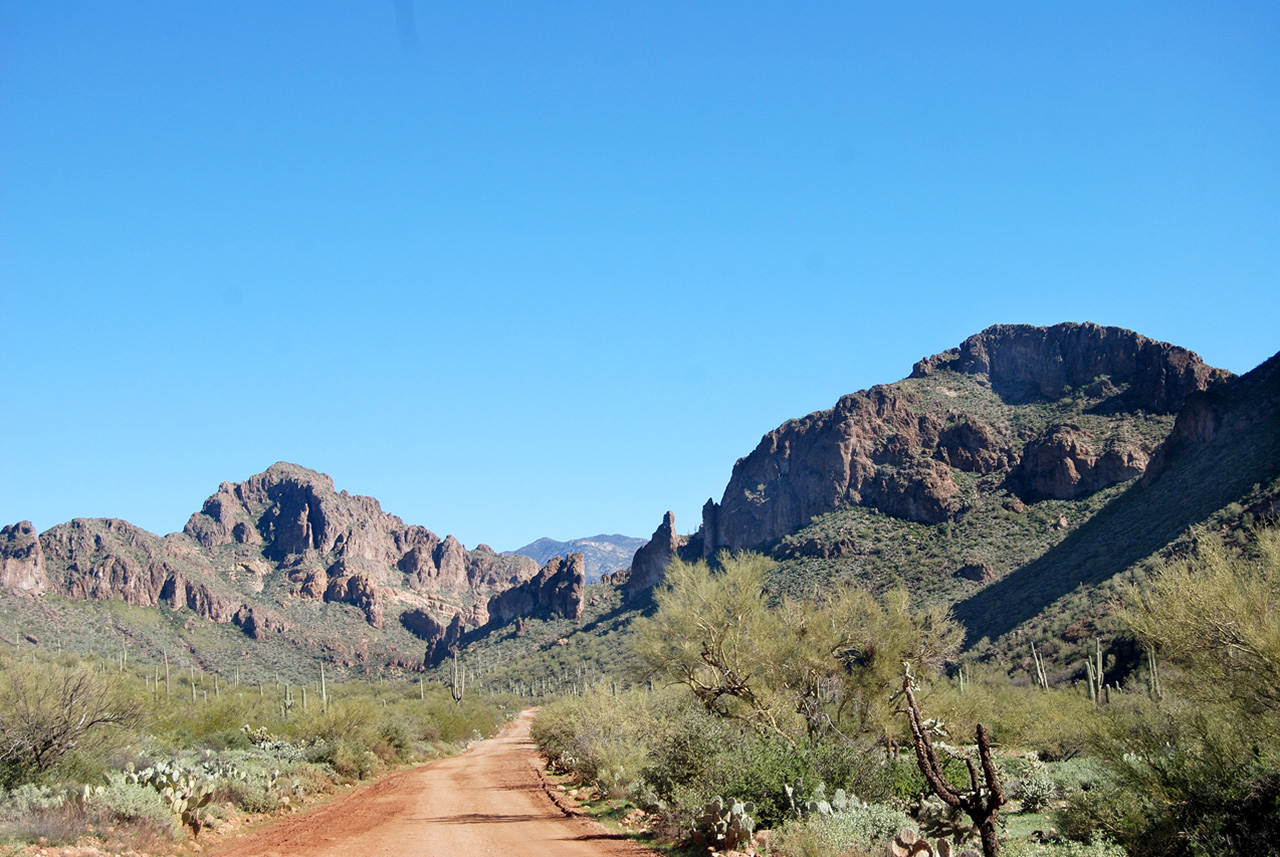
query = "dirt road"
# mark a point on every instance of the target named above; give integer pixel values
(489, 800)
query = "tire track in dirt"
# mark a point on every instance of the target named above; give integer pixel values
(489, 800)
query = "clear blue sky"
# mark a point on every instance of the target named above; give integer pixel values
(539, 269)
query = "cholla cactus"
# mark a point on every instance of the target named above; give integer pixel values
(725, 827)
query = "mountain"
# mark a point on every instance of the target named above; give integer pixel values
(1017, 478)
(604, 554)
(1014, 477)
(288, 560)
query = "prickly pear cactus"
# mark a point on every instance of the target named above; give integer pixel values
(818, 804)
(725, 826)
(182, 791)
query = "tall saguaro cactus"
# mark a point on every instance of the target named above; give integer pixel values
(459, 685)
(1097, 677)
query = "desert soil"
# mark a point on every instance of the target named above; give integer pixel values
(488, 800)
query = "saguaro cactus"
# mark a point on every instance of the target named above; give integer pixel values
(1041, 678)
(459, 685)
(1097, 678)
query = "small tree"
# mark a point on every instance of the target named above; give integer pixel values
(47, 710)
(791, 666)
(1216, 615)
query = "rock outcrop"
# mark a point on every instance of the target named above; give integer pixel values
(1062, 464)
(604, 554)
(972, 445)
(649, 565)
(440, 637)
(22, 560)
(288, 525)
(1021, 362)
(979, 572)
(885, 448)
(295, 512)
(257, 622)
(870, 449)
(557, 590)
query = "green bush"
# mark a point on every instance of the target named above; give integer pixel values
(1025, 848)
(864, 829)
(140, 805)
(599, 737)
(350, 760)
(29, 797)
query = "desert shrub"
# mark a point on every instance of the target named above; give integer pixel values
(129, 816)
(254, 797)
(1027, 780)
(350, 760)
(863, 829)
(695, 756)
(28, 797)
(307, 778)
(350, 719)
(1076, 775)
(1060, 848)
(857, 768)
(1196, 771)
(49, 709)
(599, 736)
(907, 782)
(132, 804)
(1057, 724)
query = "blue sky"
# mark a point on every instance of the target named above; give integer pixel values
(548, 269)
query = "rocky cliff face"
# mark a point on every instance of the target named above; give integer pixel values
(1062, 464)
(886, 448)
(287, 523)
(649, 565)
(557, 590)
(22, 560)
(1024, 362)
(440, 637)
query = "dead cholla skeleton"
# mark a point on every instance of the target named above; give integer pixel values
(983, 801)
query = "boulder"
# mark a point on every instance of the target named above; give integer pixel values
(980, 572)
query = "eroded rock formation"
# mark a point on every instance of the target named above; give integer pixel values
(557, 590)
(1062, 464)
(22, 560)
(649, 565)
(287, 524)
(884, 448)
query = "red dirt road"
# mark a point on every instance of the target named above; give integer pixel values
(489, 800)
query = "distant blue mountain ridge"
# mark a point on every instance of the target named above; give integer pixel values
(603, 553)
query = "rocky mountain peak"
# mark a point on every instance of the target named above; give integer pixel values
(288, 524)
(1021, 361)
(898, 447)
